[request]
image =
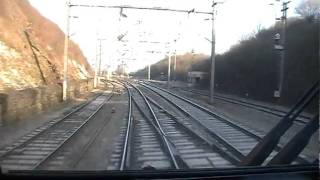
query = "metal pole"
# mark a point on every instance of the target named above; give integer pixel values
(95, 82)
(169, 69)
(175, 62)
(175, 65)
(212, 57)
(283, 51)
(65, 56)
(100, 57)
(149, 71)
(1, 119)
(318, 20)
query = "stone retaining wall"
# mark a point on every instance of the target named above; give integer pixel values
(17, 104)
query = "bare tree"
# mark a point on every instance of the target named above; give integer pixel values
(253, 33)
(259, 28)
(309, 9)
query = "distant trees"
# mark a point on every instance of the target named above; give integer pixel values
(185, 63)
(121, 69)
(251, 67)
(309, 9)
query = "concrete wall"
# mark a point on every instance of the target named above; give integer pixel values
(16, 104)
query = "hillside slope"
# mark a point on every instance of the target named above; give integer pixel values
(31, 49)
(251, 68)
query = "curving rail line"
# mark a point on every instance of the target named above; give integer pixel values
(144, 149)
(154, 138)
(166, 131)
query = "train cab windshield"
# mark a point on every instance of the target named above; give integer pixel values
(157, 89)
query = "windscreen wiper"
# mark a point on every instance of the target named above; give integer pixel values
(269, 142)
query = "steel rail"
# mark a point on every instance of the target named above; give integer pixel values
(279, 113)
(50, 126)
(128, 131)
(234, 150)
(228, 156)
(222, 118)
(76, 131)
(258, 138)
(164, 141)
(92, 140)
(161, 132)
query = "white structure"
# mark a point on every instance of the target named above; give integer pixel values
(196, 77)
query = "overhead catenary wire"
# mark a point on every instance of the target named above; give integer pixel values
(142, 8)
(122, 7)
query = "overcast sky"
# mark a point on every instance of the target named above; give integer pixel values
(234, 19)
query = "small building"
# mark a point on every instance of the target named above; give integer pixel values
(197, 77)
(163, 77)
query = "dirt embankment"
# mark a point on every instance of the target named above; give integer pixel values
(31, 57)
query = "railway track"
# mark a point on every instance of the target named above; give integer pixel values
(142, 144)
(195, 151)
(36, 148)
(302, 119)
(154, 138)
(236, 138)
(145, 152)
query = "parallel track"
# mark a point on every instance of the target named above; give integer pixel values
(194, 150)
(235, 137)
(154, 138)
(33, 150)
(302, 119)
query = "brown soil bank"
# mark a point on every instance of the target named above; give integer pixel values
(31, 62)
